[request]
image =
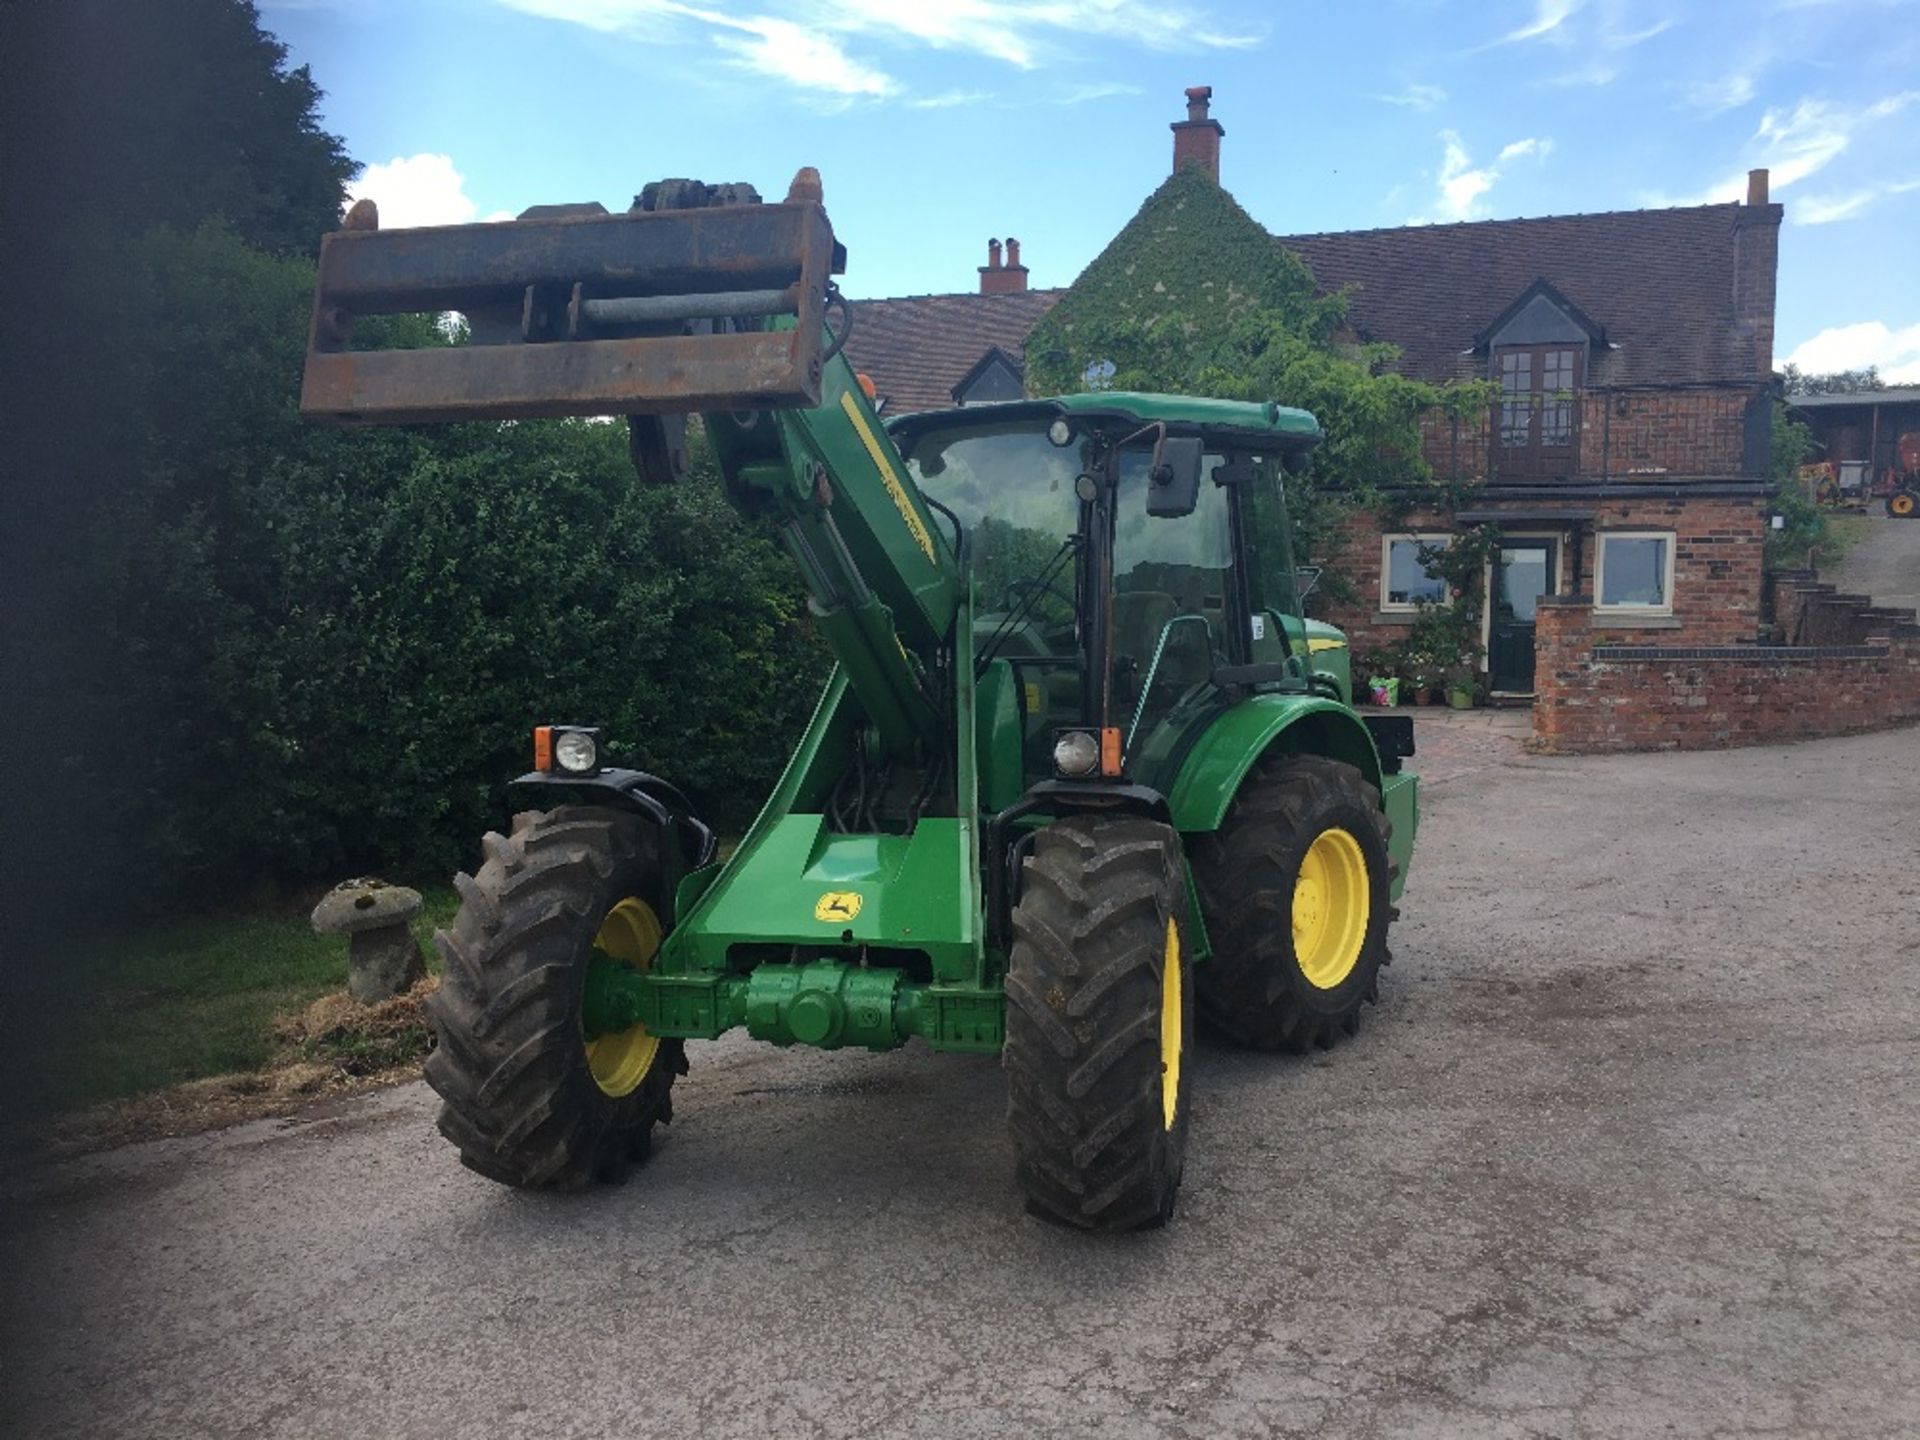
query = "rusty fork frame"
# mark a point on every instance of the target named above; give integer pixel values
(580, 313)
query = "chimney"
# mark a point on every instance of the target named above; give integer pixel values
(1196, 139)
(1007, 279)
(1756, 263)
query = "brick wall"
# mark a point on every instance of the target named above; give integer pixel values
(1644, 431)
(1719, 546)
(1718, 554)
(1606, 697)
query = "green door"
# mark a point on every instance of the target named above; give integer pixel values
(1523, 571)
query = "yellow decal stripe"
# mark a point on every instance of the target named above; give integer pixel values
(887, 477)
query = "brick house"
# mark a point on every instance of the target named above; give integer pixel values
(1625, 457)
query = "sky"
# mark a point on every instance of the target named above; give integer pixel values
(937, 124)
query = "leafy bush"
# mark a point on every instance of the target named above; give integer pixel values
(331, 644)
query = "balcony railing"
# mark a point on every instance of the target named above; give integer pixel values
(1604, 434)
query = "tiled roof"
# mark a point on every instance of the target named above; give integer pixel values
(1659, 282)
(917, 348)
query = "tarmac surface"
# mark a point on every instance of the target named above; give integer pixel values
(1631, 1148)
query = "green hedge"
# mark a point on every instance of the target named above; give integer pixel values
(328, 646)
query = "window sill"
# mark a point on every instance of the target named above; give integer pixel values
(1395, 617)
(1604, 621)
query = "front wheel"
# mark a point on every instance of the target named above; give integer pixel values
(532, 1097)
(1903, 504)
(1296, 890)
(1098, 1023)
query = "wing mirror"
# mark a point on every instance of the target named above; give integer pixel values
(1173, 484)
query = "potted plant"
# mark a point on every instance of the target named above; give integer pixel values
(1463, 690)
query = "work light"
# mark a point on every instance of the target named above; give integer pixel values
(577, 751)
(1076, 753)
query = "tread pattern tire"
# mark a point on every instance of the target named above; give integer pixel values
(510, 1062)
(1085, 1104)
(1252, 987)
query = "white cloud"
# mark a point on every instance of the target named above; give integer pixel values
(1854, 347)
(1415, 97)
(1463, 185)
(948, 99)
(804, 42)
(1548, 16)
(1521, 148)
(1792, 144)
(1725, 92)
(1826, 209)
(803, 58)
(412, 190)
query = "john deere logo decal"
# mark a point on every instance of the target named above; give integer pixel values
(837, 905)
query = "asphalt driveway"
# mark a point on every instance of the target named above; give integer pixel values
(1632, 1147)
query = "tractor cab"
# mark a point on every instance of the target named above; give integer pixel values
(1132, 567)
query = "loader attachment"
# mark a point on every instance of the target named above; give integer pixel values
(717, 306)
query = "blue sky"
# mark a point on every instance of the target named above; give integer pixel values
(939, 123)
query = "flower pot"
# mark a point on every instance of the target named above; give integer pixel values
(1460, 699)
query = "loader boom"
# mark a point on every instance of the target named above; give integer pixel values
(585, 313)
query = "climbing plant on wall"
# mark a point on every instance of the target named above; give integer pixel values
(1193, 296)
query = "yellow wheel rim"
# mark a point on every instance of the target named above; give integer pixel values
(1332, 903)
(1172, 1026)
(1902, 505)
(620, 1061)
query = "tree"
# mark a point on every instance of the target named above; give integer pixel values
(1796, 381)
(132, 115)
(1802, 522)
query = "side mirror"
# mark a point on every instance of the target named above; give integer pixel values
(1173, 484)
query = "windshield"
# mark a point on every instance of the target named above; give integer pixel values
(1013, 491)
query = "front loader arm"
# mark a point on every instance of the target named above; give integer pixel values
(713, 307)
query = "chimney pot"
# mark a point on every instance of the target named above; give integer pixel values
(1007, 279)
(1197, 98)
(1756, 187)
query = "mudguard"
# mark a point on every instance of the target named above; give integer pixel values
(1309, 724)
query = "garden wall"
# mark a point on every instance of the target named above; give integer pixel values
(1597, 697)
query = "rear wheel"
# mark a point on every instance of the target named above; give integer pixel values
(1903, 504)
(1098, 1023)
(531, 1099)
(1296, 891)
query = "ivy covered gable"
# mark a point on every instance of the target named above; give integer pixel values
(1191, 259)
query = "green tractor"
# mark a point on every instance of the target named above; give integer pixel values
(1082, 773)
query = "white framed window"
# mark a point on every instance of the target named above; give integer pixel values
(1633, 572)
(1405, 581)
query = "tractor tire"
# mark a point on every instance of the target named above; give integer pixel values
(1099, 1023)
(1295, 954)
(1903, 504)
(528, 1101)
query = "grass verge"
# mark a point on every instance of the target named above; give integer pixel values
(191, 999)
(1839, 534)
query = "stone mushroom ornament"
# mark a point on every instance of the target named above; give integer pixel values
(383, 958)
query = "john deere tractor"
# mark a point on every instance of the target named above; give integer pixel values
(1082, 773)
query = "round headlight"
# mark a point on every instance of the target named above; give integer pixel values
(1076, 753)
(576, 752)
(1087, 488)
(1060, 432)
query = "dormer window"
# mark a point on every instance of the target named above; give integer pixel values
(1537, 353)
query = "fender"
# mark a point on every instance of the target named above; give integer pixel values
(1210, 776)
(690, 841)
